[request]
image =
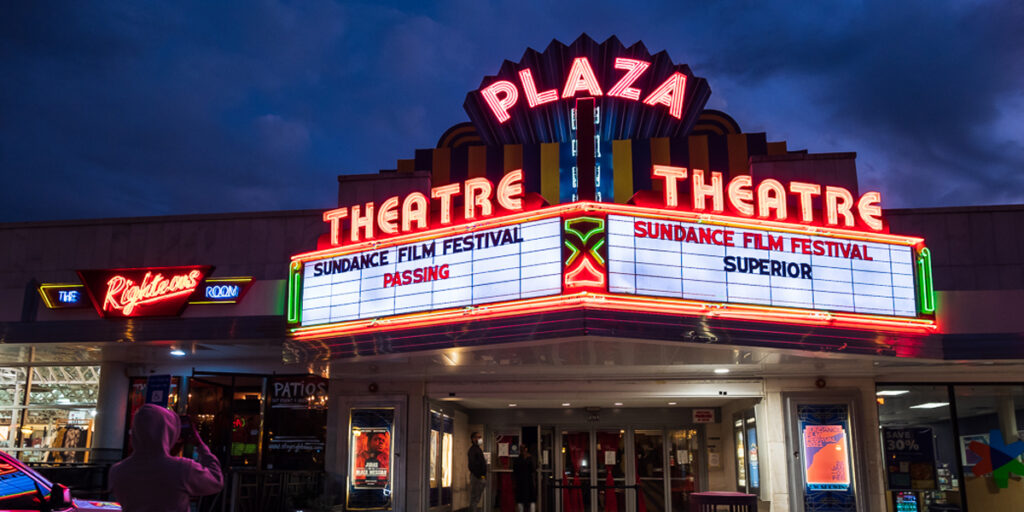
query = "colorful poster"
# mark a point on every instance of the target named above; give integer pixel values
(826, 458)
(371, 458)
(755, 468)
(909, 458)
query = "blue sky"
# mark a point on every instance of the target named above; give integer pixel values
(150, 108)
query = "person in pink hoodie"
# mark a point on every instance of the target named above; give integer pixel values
(153, 480)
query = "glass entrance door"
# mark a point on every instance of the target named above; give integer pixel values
(650, 469)
(575, 471)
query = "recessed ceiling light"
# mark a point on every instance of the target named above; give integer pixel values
(929, 405)
(618, 404)
(892, 392)
(672, 403)
(512, 405)
(566, 404)
(721, 371)
(177, 352)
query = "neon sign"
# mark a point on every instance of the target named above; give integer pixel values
(479, 196)
(221, 290)
(62, 296)
(157, 291)
(768, 200)
(502, 95)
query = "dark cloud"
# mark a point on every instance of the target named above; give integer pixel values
(126, 109)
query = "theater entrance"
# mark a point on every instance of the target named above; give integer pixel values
(577, 459)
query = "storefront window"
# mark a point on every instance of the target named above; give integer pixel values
(916, 430)
(55, 423)
(990, 421)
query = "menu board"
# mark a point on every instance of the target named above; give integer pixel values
(296, 423)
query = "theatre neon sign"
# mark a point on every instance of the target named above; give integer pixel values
(761, 243)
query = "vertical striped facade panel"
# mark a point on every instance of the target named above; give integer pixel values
(777, 148)
(440, 168)
(622, 167)
(459, 171)
(531, 168)
(477, 162)
(495, 164)
(512, 158)
(718, 154)
(641, 165)
(738, 157)
(757, 144)
(680, 148)
(699, 152)
(424, 160)
(549, 172)
(661, 154)
(407, 166)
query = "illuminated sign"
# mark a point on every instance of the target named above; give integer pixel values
(62, 295)
(768, 200)
(135, 292)
(479, 196)
(826, 457)
(642, 95)
(221, 290)
(620, 258)
(707, 262)
(512, 262)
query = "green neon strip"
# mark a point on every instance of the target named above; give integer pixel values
(598, 229)
(572, 257)
(925, 286)
(294, 293)
(596, 251)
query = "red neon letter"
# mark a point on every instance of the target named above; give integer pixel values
(634, 68)
(414, 208)
(670, 93)
(581, 77)
(870, 211)
(741, 198)
(702, 191)
(671, 174)
(445, 193)
(364, 222)
(805, 191)
(838, 201)
(510, 188)
(334, 217)
(387, 216)
(478, 193)
(498, 105)
(771, 195)
(532, 96)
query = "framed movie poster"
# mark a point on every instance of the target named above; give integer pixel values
(371, 458)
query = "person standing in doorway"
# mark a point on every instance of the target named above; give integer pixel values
(477, 472)
(524, 471)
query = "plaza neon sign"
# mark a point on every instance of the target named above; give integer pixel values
(502, 95)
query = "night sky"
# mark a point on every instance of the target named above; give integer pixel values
(115, 108)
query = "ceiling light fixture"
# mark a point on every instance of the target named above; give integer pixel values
(721, 371)
(512, 405)
(566, 404)
(177, 352)
(672, 403)
(930, 405)
(618, 404)
(892, 392)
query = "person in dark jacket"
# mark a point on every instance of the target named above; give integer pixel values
(524, 472)
(477, 472)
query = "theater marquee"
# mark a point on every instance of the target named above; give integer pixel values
(760, 263)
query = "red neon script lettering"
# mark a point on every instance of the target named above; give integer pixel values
(124, 295)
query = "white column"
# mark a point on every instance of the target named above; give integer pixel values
(108, 430)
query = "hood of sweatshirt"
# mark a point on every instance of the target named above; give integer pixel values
(154, 430)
